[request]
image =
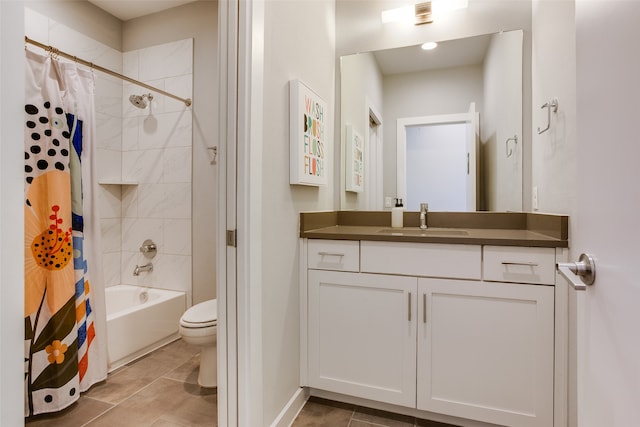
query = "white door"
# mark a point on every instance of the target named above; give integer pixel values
(450, 156)
(362, 335)
(606, 223)
(485, 351)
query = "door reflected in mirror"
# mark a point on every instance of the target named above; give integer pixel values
(437, 161)
(409, 87)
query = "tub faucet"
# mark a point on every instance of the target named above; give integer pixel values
(140, 268)
(424, 208)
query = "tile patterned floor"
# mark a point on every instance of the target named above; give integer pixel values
(319, 412)
(161, 390)
(158, 390)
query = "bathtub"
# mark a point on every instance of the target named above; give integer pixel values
(139, 320)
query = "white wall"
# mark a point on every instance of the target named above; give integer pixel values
(359, 29)
(197, 20)
(501, 118)
(83, 17)
(298, 44)
(11, 213)
(553, 76)
(365, 86)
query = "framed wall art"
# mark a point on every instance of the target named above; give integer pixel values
(354, 167)
(309, 157)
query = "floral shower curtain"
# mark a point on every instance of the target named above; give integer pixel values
(65, 343)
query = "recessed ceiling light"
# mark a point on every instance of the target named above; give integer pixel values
(429, 45)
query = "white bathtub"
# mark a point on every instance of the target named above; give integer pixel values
(139, 320)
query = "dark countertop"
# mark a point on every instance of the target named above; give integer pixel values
(469, 228)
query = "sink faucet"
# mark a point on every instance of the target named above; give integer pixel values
(140, 268)
(424, 208)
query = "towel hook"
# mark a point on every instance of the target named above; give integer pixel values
(515, 140)
(553, 104)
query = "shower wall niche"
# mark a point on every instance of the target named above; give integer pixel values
(144, 159)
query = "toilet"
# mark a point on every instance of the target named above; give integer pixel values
(199, 326)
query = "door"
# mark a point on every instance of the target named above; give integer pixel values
(485, 351)
(606, 364)
(362, 335)
(437, 161)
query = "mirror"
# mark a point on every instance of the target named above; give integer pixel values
(393, 100)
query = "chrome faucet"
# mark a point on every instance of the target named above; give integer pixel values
(424, 208)
(140, 268)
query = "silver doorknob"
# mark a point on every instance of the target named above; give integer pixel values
(581, 273)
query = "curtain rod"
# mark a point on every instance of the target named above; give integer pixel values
(56, 52)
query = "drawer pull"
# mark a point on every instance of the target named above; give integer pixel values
(527, 264)
(409, 305)
(331, 254)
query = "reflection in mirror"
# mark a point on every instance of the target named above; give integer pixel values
(388, 95)
(436, 161)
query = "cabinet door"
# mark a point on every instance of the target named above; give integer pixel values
(485, 351)
(362, 335)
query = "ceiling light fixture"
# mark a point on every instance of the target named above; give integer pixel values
(441, 7)
(399, 14)
(423, 12)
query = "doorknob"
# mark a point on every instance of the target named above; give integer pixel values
(581, 273)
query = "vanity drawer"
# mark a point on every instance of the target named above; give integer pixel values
(342, 255)
(422, 259)
(520, 264)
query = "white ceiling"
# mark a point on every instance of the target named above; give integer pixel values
(129, 9)
(450, 53)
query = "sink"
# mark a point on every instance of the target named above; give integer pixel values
(428, 232)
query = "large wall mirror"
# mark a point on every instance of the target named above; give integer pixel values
(441, 126)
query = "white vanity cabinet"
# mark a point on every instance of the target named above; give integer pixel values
(467, 331)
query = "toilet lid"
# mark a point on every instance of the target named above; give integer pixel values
(201, 315)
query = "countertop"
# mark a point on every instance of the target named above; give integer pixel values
(471, 228)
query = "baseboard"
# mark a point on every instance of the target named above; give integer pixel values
(388, 407)
(292, 408)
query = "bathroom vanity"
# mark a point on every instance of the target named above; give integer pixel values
(466, 319)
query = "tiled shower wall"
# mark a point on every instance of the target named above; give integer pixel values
(149, 150)
(156, 153)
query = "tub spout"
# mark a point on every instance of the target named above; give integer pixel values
(140, 268)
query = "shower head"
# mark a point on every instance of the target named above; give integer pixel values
(139, 100)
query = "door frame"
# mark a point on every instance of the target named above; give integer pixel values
(374, 170)
(240, 397)
(11, 212)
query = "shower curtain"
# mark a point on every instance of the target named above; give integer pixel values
(65, 320)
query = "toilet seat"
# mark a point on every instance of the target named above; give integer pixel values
(202, 315)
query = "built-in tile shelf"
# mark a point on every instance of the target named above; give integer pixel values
(116, 182)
